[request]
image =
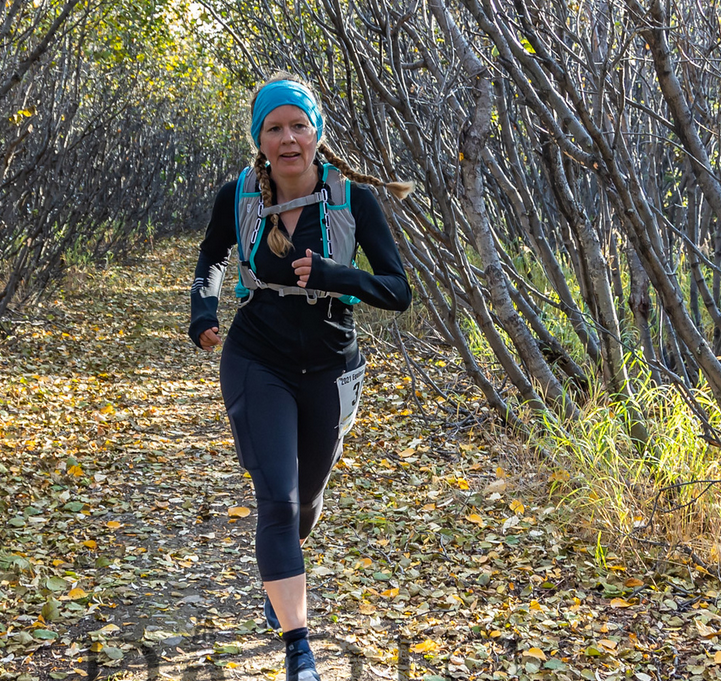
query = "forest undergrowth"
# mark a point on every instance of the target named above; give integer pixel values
(447, 548)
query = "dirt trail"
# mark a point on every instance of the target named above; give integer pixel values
(127, 541)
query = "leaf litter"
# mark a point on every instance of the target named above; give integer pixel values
(127, 533)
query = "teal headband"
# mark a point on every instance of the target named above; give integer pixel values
(279, 93)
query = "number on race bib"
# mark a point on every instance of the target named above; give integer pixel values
(349, 385)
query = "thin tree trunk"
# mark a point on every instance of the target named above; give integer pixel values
(472, 146)
(641, 305)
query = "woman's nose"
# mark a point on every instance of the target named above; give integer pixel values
(288, 135)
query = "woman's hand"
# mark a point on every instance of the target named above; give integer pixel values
(302, 268)
(209, 339)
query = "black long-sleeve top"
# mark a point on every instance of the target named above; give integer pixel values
(287, 332)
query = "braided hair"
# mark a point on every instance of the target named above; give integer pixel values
(278, 242)
(399, 189)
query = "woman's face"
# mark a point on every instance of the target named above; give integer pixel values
(288, 141)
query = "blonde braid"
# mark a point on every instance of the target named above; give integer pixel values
(399, 189)
(277, 241)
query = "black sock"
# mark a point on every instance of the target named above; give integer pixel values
(294, 635)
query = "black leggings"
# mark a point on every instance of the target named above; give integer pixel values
(285, 427)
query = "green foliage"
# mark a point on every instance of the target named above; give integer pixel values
(606, 483)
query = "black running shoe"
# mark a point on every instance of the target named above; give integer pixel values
(299, 662)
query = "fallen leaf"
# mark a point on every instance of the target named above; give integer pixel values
(705, 630)
(426, 646)
(510, 523)
(535, 652)
(238, 512)
(619, 603)
(517, 507)
(497, 486)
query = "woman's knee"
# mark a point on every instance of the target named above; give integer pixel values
(278, 515)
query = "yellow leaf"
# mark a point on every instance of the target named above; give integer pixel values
(75, 470)
(620, 603)
(108, 629)
(108, 409)
(425, 647)
(428, 507)
(705, 630)
(407, 452)
(77, 593)
(390, 593)
(367, 608)
(500, 473)
(717, 657)
(495, 633)
(632, 582)
(462, 483)
(517, 507)
(535, 652)
(560, 476)
(608, 643)
(96, 647)
(91, 544)
(534, 605)
(365, 562)
(238, 512)
(80, 672)
(475, 518)
(113, 524)
(231, 665)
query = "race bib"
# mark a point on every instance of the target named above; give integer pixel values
(349, 385)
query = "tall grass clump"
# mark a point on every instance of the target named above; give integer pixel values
(666, 497)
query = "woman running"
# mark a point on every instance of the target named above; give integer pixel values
(291, 371)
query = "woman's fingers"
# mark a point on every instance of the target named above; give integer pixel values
(209, 338)
(302, 267)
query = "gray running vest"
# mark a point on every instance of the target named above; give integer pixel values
(336, 222)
